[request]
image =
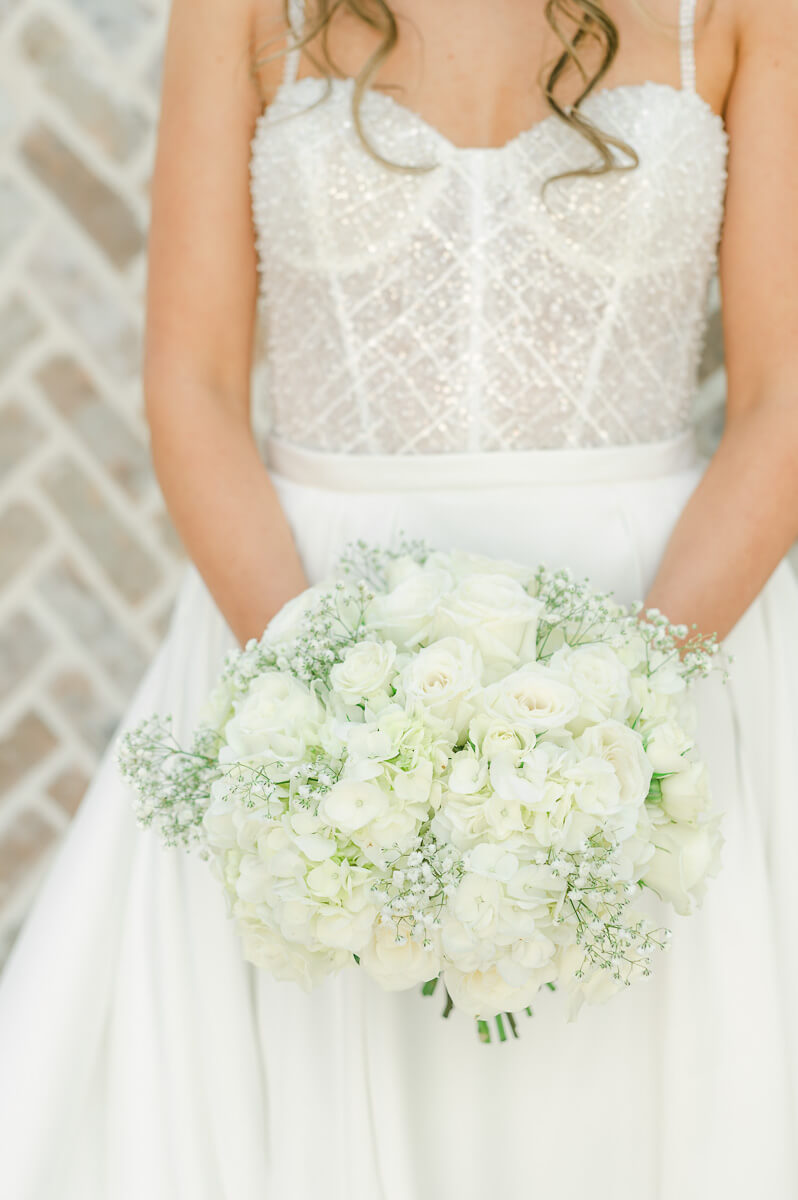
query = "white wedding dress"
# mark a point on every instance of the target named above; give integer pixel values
(451, 358)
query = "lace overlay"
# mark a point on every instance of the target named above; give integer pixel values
(454, 311)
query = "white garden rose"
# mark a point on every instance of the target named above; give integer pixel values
(365, 670)
(273, 720)
(666, 746)
(404, 614)
(494, 614)
(685, 857)
(398, 965)
(445, 678)
(600, 678)
(686, 795)
(533, 698)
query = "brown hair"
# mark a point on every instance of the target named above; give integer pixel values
(577, 24)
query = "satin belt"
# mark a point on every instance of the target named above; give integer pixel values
(488, 469)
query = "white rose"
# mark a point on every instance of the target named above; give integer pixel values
(351, 803)
(496, 615)
(533, 698)
(403, 615)
(685, 857)
(273, 720)
(600, 678)
(396, 966)
(686, 794)
(666, 745)
(484, 994)
(365, 670)
(445, 678)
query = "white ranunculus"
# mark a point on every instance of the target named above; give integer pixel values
(273, 720)
(396, 966)
(600, 678)
(350, 804)
(593, 786)
(445, 678)
(494, 614)
(649, 705)
(498, 738)
(623, 749)
(218, 707)
(403, 615)
(365, 670)
(533, 698)
(526, 958)
(686, 795)
(468, 773)
(267, 949)
(462, 563)
(344, 928)
(287, 621)
(397, 570)
(484, 994)
(666, 745)
(685, 857)
(460, 820)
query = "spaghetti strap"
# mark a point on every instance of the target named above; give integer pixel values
(296, 20)
(687, 43)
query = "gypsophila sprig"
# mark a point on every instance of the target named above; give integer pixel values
(447, 769)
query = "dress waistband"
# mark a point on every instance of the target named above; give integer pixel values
(483, 469)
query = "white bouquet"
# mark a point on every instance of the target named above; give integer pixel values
(444, 768)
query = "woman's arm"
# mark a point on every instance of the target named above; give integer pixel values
(201, 296)
(743, 517)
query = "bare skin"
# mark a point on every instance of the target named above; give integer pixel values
(470, 69)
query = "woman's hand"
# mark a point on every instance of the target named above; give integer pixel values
(743, 516)
(201, 303)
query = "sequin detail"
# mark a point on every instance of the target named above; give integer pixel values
(454, 311)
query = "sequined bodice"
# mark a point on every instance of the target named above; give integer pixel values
(456, 310)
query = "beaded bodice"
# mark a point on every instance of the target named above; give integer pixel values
(460, 310)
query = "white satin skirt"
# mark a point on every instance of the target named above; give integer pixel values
(140, 1056)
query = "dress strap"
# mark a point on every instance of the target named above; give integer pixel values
(687, 43)
(296, 20)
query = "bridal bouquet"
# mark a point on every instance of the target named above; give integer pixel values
(447, 770)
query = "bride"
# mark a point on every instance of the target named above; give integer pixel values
(479, 257)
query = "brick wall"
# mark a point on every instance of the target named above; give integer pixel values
(88, 564)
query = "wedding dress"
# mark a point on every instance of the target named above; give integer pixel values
(450, 357)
